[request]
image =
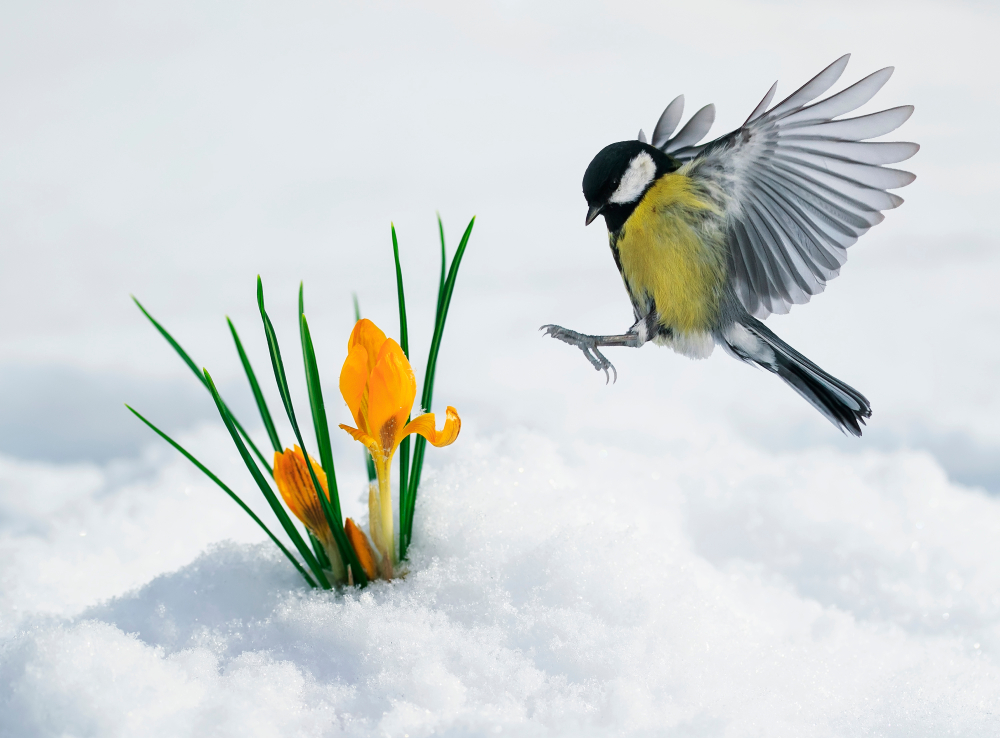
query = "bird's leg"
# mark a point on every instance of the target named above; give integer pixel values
(589, 344)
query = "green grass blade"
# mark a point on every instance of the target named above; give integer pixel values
(404, 334)
(404, 343)
(276, 364)
(229, 492)
(265, 414)
(449, 288)
(193, 367)
(320, 552)
(268, 493)
(370, 464)
(318, 408)
(331, 506)
(336, 527)
(420, 446)
(444, 266)
(357, 307)
(170, 339)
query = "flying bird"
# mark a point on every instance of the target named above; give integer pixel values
(710, 239)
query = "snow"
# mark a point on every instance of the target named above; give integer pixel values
(692, 551)
(579, 591)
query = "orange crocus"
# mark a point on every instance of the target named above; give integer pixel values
(291, 475)
(378, 385)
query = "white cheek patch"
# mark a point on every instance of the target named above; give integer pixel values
(639, 174)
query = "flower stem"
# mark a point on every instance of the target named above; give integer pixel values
(385, 511)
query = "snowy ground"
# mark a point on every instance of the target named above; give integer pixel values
(580, 590)
(693, 551)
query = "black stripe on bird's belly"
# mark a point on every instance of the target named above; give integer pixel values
(613, 238)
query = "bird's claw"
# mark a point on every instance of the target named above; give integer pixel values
(587, 344)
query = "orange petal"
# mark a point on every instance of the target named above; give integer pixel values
(359, 542)
(291, 475)
(369, 335)
(424, 425)
(370, 443)
(353, 380)
(391, 390)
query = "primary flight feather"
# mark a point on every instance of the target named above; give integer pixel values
(711, 238)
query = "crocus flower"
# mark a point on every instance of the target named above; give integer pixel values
(362, 548)
(378, 385)
(296, 487)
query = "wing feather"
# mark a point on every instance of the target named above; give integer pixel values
(755, 269)
(770, 260)
(668, 121)
(788, 258)
(802, 185)
(856, 129)
(796, 241)
(813, 88)
(762, 105)
(865, 175)
(824, 255)
(844, 101)
(863, 152)
(693, 131)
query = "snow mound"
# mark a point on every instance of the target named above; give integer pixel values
(562, 590)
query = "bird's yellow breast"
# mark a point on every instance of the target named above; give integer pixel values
(670, 249)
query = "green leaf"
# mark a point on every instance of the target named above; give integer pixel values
(268, 493)
(265, 414)
(318, 408)
(336, 526)
(444, 266)
(229, 492)
(404, 343)
(449, 288)
(420, 446)
(404, 335)
(191, 365)
(318, 549)
(331, 506)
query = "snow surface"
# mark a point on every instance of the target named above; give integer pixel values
(580, 591)
(692, 551)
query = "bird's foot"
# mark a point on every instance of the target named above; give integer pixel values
(587, 344)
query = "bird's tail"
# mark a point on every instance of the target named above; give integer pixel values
(843, 405)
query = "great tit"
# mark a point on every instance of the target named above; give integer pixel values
(709, 238)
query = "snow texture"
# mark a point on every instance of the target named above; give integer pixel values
(720, 591)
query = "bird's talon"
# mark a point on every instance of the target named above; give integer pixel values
(586, 344)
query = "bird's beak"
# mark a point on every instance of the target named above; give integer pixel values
(592, 213)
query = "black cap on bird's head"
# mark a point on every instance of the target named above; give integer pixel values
(619, 176)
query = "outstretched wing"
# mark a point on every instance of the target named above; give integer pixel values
(801, 186)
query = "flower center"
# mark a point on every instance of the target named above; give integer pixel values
(387, 435)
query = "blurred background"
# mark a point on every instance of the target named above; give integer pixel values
(175, 150)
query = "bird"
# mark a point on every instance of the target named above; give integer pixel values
(712, 238)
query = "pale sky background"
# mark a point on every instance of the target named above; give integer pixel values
(176, 150)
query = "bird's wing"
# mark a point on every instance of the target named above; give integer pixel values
(801, 186)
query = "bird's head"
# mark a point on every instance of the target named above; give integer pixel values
(619, 176)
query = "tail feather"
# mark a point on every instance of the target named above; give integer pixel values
(843, 405)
